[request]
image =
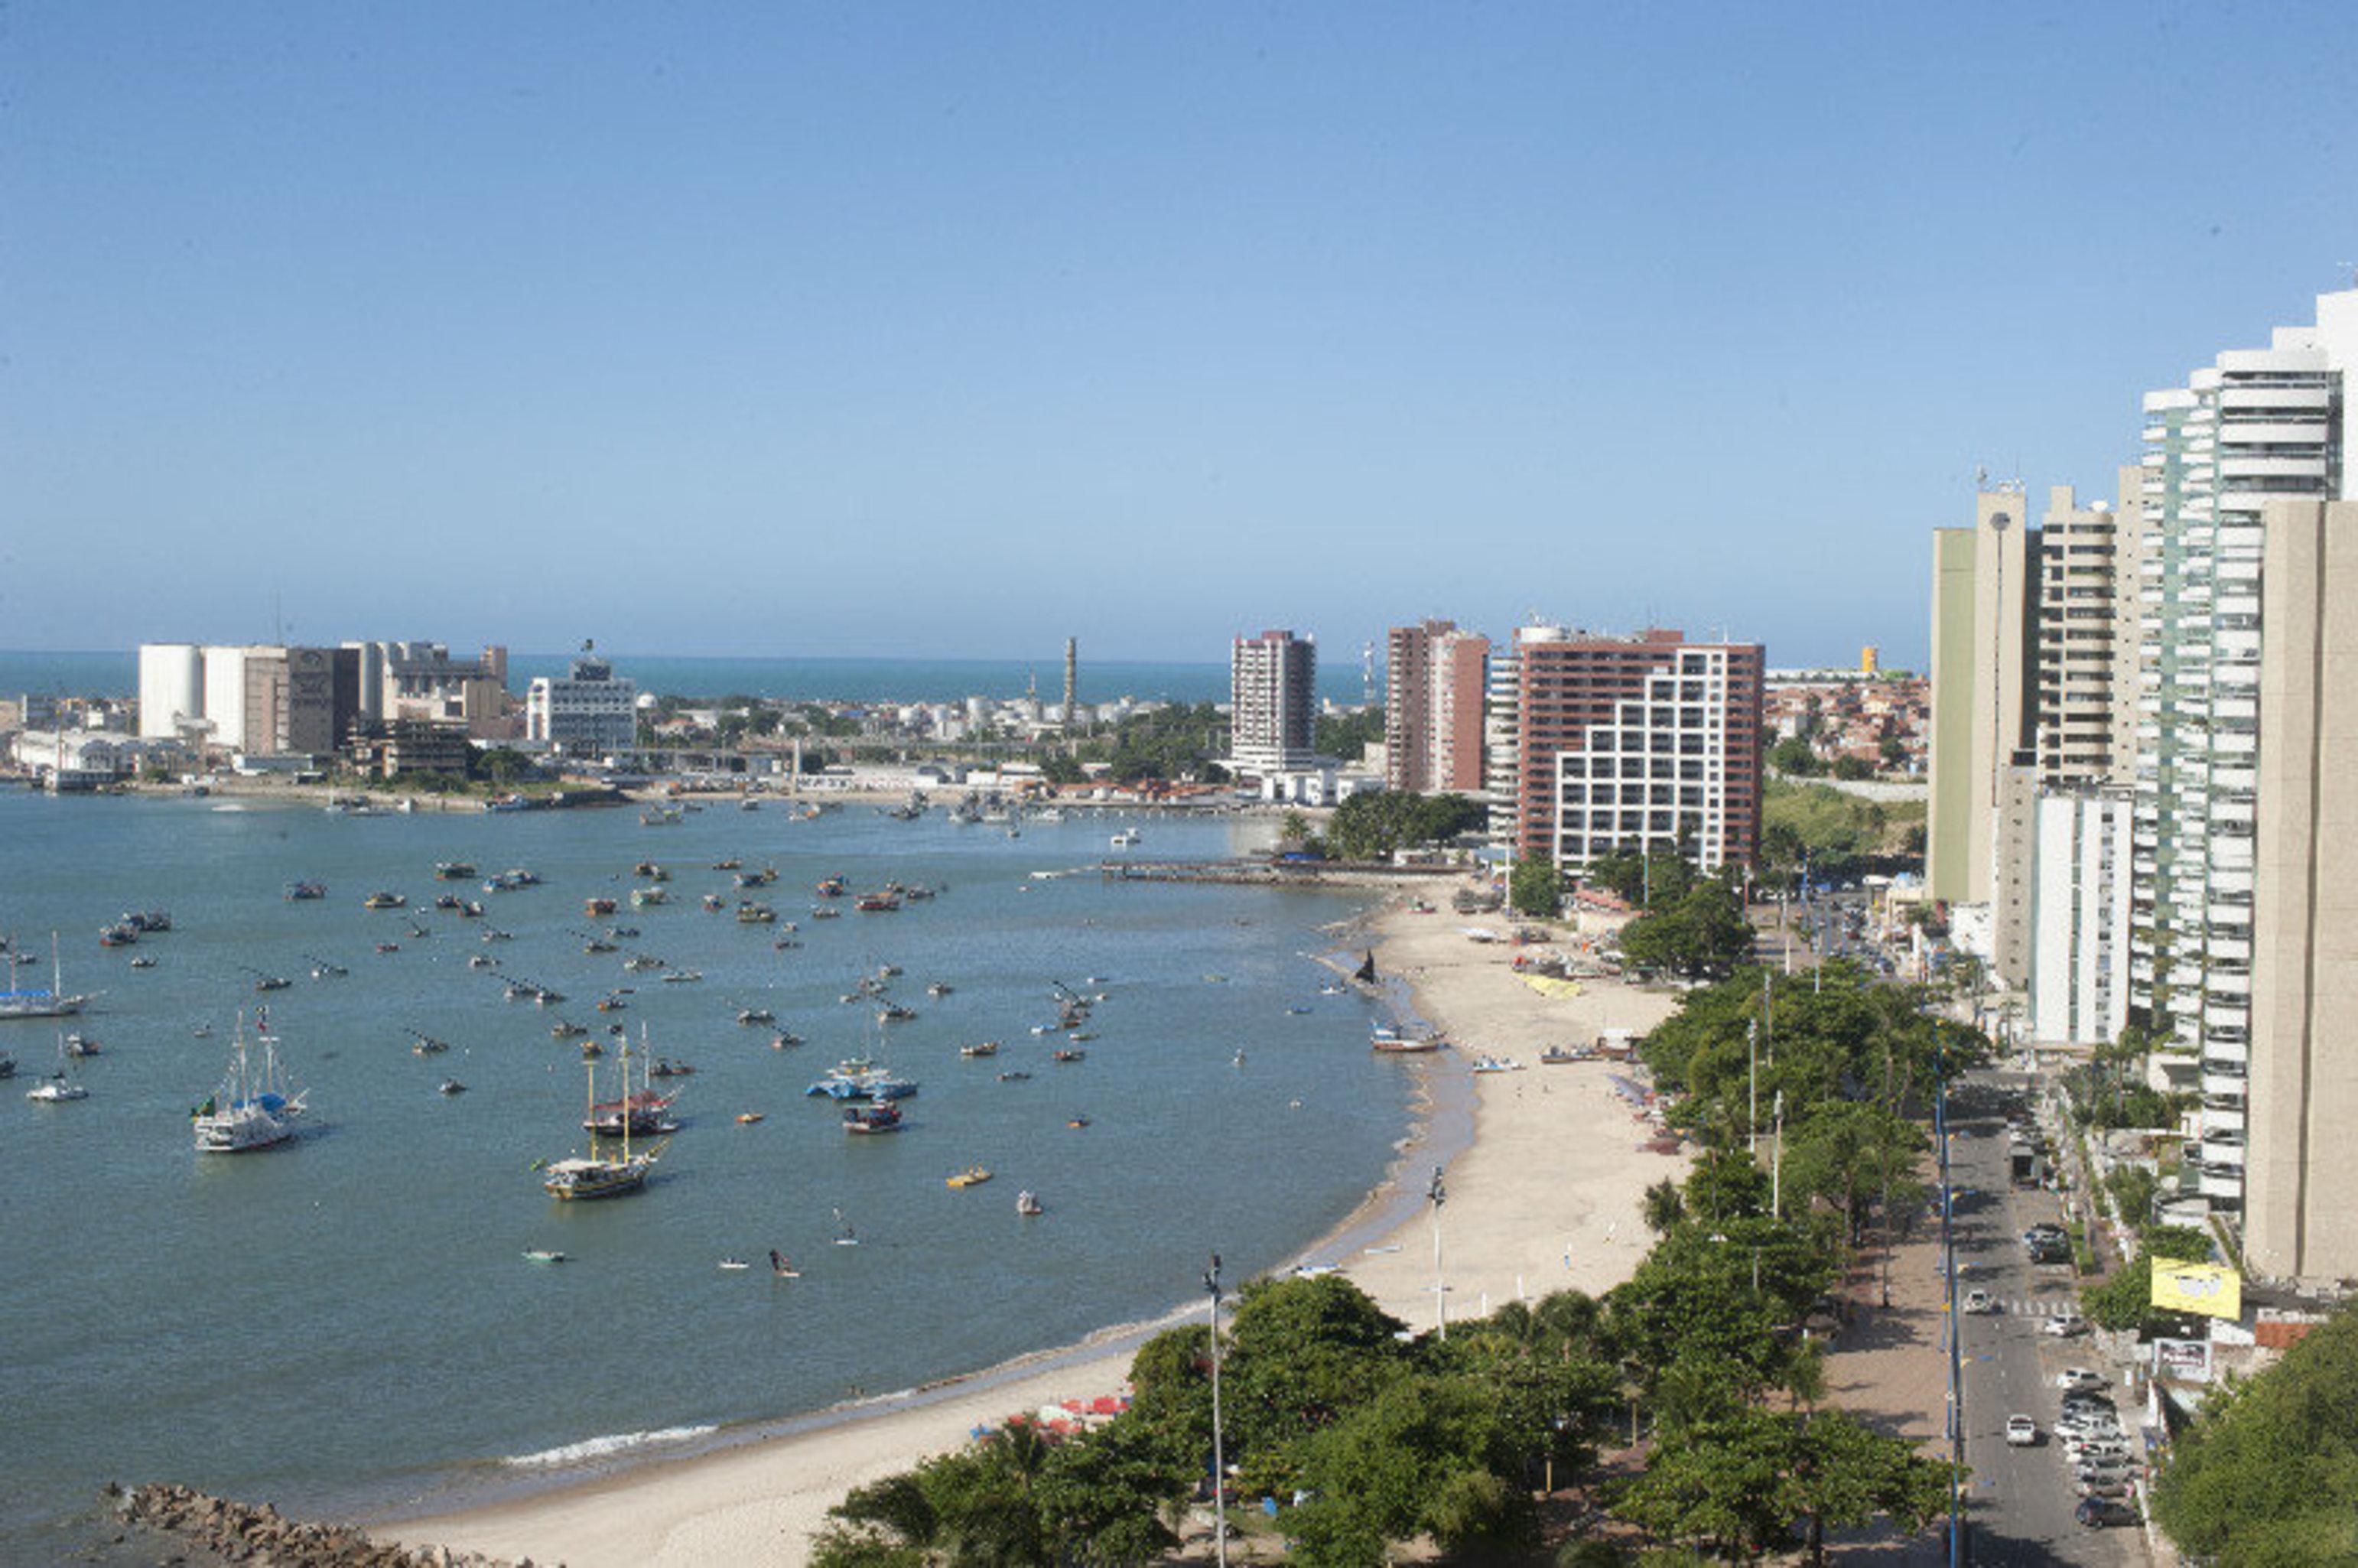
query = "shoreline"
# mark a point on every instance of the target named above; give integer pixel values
(1538, 1162)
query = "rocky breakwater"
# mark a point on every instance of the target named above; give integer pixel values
(218, 1528)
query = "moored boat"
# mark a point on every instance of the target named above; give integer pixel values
(882, 1117)
(972, 1176)
(251, 1110)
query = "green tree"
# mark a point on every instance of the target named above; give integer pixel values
(1304, 1351)
(1535, 887)
(1792, 755)
(2267, 1476)
(1852, 769)
(1705, 932)
(1428, 1455)
(1370, 827)
(1347, 735)
(1102, 1498)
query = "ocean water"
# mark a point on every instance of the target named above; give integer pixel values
(346, 1323)
(116, 674)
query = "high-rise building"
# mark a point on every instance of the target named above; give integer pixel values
(2299, 1221)
(1273, 685)
(2084, 718)
(591, 712)
(1984, 591)
(171, 690)
(1433, 709)
(2242, 770)
(1648, 744)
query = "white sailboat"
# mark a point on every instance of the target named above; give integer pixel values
(252, 1109)
(596, 1174)
(51, 1003)
(57, 1088)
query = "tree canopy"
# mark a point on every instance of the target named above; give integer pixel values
(2267, 1476)
(1370, 827)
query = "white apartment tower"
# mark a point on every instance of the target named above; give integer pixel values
(2257, 427)
(1273, 685)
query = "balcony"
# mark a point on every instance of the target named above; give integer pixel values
(2223, 1114)
(2223, 1187)
(2223, 1085)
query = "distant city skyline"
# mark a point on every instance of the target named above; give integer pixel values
(936, 334)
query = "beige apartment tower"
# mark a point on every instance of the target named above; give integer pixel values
(1983, 594)
(2299, 1221)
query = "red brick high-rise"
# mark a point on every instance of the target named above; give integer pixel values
(1433, 709)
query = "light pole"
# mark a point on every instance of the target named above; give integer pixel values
(1440, 1291)
(1219, 1460)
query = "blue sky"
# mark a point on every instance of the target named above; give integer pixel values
(957, 330)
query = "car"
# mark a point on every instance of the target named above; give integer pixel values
(2073, 1378)
(2116, 1487)
(2063, 1326)
(2021, 1431)
(2078, 1426)
(2106, 1470)
(1980, 1301)
(2098, 1512)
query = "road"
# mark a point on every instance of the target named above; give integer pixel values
(2022, 1497)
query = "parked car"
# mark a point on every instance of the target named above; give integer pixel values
(2098, 1512)
(2074, 1378)
(1980, 1301)
(2065, 1324)
(2116, 1487)
(2021, 1431)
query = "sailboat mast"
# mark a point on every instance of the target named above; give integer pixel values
(589, 1104)
(626, 1096)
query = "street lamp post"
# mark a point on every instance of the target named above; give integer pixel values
(1219, 1459)
(1440, 1291)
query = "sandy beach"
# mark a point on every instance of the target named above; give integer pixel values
(1545, 1195)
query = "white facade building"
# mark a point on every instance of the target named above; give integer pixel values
(171, 690)
(2079, 916)
(590, 712)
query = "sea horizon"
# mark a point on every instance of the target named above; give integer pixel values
(790, 678)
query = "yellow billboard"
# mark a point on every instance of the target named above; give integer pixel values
(2211, 1290)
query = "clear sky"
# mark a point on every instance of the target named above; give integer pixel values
(956, 329)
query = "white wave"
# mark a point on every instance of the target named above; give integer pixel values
(606, 1448)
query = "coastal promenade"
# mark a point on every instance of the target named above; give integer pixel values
(1544, 1174)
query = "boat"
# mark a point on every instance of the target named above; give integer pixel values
(252, 1109)
(143, 962)
(597, 906)
(642, 961)
(453, 870)
(597, 1174)
(543, 1255)
(1496, 1065)
(57, 1088)
(874, 1117)
(429, 1047)
(646, 898)
(1127, 838)
(752, 1015)
(711, 903)
(876, 903)
(298, 892)
(972, 1176)
(117, 936)
(756, 914)
(483, 961)
(660, 816)
(1075, 1055)
(895, 1013)
(1556, 1055)
(821, 912)
(939, 989)
(985, 1048)
(733, 1264)
(1391, 1042)
(748, 1118)
(326, 969)
(383, 899)
(1365, 973)
(450, 1087)
(668, 1069)
(785, 1038)
(780, 1267)
(1077, 1121)
(833, 887)
(682, 976)
(1027, 1204)
(51, 1003)
(1013, 1077)
(726, 863)
(759, 878)
(561, 1030)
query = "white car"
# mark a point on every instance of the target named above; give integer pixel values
(2021, 1431)
(2063, 1326)
(2071, 1378)
(1979, 1301)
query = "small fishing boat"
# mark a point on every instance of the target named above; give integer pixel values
(752, 1015)
(298, 892)
(884, 1117)
(252, 1109)
(780, 1267)
(733, 1264)
(1078, 1121)
(748, 1118)
(143, 962)
(56, 1090)
(543, 1255)
(1015, 1076)
(1027, 1204)
(683, 976)
(597, 906)
(780, 1041)
(972, 1176)
(983, 1048)
(454, 871)
(450, 1087)
(381, 900)
(939, 989)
